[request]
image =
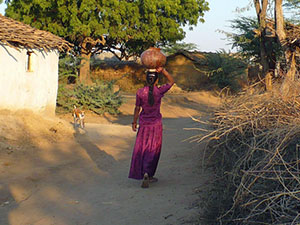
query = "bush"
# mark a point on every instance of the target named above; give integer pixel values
(68, 68)
(225, 70)
(99, 98)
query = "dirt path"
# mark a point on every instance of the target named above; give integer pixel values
(83, 180)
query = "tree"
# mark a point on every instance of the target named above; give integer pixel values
(253, 42)
(292, 3)
(244, 39)
(247, 42)
(129, 26)
(225, 69)
(76, 21)
(173, 48)
(261, 7)
(288, 49)
(293, 7)
(145, 23)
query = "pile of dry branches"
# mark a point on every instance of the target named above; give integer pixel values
(254, 149)
(292, 32)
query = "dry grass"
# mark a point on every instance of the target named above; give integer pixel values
(254, 148)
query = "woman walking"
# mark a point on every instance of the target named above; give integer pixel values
(149, 137)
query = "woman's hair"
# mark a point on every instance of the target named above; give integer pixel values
(151, 78)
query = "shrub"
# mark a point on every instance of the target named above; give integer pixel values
(68, 68)
(99, 98)
(225, 70)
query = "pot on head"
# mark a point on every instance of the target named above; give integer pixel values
(153, 58)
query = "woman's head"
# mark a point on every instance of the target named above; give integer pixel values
(151, 77)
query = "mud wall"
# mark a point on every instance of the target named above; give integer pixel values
(129, 76)
(185, 73)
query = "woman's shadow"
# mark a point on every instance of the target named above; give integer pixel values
(102, 160)
(7, 204)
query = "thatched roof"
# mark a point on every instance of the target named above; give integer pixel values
(19, 35)
(195, 56)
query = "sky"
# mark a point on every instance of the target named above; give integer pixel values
(206, 35)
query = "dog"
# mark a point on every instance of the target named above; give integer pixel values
(78, 117)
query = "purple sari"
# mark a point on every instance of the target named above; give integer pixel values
(148, 142)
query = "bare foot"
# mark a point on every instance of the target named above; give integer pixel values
(153, 179)
(145, 183)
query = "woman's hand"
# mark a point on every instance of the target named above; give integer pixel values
(166, 74)
(134, 126)
(159, 69)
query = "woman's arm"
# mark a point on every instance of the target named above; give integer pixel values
(137, 110)
(166, 74)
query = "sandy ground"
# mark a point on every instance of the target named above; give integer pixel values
(51, 174)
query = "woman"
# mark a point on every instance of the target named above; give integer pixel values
(149, 137)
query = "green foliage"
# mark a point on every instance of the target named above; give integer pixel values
(225, 69)
(247, 42)
(144, 23)
(129, 26)
(99, 98)
(173, 48)
(293, 7)
(244, 40)
(292, 3)
(68, 68)
(74, 20)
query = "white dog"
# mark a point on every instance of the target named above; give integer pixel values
(78, 116)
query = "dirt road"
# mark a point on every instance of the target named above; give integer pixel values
(82, 180)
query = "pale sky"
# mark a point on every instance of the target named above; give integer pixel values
(205, 35)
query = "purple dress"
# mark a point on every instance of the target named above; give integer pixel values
(149, 137)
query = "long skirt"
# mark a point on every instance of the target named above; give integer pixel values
(146, 151)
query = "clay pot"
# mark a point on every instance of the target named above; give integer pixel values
(153, 58)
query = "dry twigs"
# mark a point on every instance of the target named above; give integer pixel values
(254, 149)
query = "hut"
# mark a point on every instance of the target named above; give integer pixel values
(29, 67)
(189, 69)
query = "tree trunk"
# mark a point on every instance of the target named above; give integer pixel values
(279, 22)
(292, 66)
(261, 12)
(288, 53)
(281, 36)
(87, 46)
(84, 70)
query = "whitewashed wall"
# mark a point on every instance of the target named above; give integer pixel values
(21, 89)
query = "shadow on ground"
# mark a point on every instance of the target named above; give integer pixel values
(80, 177)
